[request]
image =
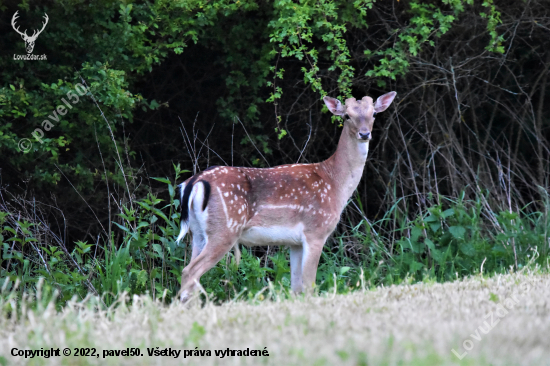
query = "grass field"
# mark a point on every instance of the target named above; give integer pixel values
(504, 320)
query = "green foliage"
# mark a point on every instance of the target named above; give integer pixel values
(114, 46)
(119, 43)
(493, 20)
(427, 20)
(463, 239)
(297, 24)
(448, 240)
(124, 42)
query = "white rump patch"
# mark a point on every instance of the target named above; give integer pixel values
(197, 217)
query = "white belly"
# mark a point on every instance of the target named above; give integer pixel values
(273, 235)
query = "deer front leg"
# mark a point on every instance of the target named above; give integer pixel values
(296, 268)
(312, 250)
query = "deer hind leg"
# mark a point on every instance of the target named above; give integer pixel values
(312, 249)
(197, 246)
(296, 253)
(212, 253)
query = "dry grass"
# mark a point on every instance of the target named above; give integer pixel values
(408, 324)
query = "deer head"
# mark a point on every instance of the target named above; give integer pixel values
(359, 114)
(29, 40)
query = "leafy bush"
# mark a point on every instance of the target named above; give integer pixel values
(454, 238)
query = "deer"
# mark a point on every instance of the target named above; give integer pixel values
(29, 40)
(297, 205)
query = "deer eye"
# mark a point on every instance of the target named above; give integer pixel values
(346, 116)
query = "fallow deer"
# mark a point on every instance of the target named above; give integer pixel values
(298, 205)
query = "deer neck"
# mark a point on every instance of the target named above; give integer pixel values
(345, 167)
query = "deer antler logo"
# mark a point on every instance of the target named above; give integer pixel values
(29, 40)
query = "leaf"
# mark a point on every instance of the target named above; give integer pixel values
(142, 278)
(468, 249)
(499, 249)
(415, 266)
(417, 247)
(435, 226)
(142, 224)
(416, 233)
(430, 244)
(122, 227)
(139, 243)
(171, 190)
(163, 180)
(154, 104)
(447, 213)
(508, 215)
(431, 218)
(157, 248)
(457, 232)
(438, 256)
(344, 270)
(7, 228)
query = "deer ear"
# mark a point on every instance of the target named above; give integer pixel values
(384, 101)
(334, 106)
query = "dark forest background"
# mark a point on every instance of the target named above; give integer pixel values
(201, 83)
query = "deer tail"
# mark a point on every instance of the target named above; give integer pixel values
(196, 193)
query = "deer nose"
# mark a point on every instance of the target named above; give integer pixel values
(364, 136)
